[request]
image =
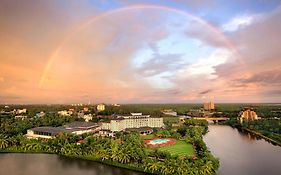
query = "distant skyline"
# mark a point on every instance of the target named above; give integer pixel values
(121, 51)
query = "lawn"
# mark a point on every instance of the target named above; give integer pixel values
(180, 148)
(148, 137)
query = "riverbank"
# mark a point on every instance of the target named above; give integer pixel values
(263, 136)
(240, 154)
(238, 126)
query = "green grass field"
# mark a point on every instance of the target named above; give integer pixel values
(180, 148)
(148, 137)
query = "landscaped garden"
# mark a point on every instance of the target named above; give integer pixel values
(180, 148)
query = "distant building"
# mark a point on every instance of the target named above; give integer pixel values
(208, 106)
(86, 109)
(77, 128)
(87, 117)
(21, 117)
(64, 113)
(21, 111)
(100, 107)
(248, 114)
(40, 114)
(135, 120)
(169, 112)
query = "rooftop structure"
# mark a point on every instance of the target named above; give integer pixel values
(77, 128)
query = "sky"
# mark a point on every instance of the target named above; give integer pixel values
(133, 51)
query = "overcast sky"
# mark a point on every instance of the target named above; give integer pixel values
(130, 51)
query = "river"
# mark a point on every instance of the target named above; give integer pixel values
(241, 153)
(50, 164)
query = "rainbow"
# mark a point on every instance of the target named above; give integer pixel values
(92, 20)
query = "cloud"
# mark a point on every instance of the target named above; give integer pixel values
(269, 78)
(239, 22)
(160, 63)
(205, 91)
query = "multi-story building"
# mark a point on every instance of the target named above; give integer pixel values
(247, 114)
(208, 106)
(100, 107)
(135, 120)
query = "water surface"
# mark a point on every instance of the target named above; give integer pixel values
(49, 164)
(242, 154)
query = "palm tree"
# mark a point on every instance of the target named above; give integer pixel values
(4, 142)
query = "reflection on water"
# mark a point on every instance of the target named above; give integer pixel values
(242, 153)
(47, 164)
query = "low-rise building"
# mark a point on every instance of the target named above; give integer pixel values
(21, 111)
(169, 112)
(87, 117)
(77, 128)
(64, 113)
(21, 117)
(40, 114)
(135, 120)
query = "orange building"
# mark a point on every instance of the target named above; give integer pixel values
(248, 115)
(208, 106)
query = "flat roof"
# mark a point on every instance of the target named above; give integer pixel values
(48, 129)
(78, 124)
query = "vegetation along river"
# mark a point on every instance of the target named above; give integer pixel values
(239, 153)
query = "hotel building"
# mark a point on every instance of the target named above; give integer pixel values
(208, 106)
(248, 115)
(135, 120)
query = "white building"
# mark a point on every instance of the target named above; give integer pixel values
(21, 117)
(169, 112)
(87, 117)
(64, 113)
(100, 107)
(135, 120)
(21, 111)
(40, 114)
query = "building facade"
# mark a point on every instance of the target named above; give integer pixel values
(100, 107)
(248, 115)
(208, 106)
(76, 128)
(135, 120)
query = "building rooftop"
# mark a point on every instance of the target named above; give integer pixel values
(80, 125)
(48, 129)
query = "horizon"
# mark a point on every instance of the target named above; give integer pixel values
(141, 52)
